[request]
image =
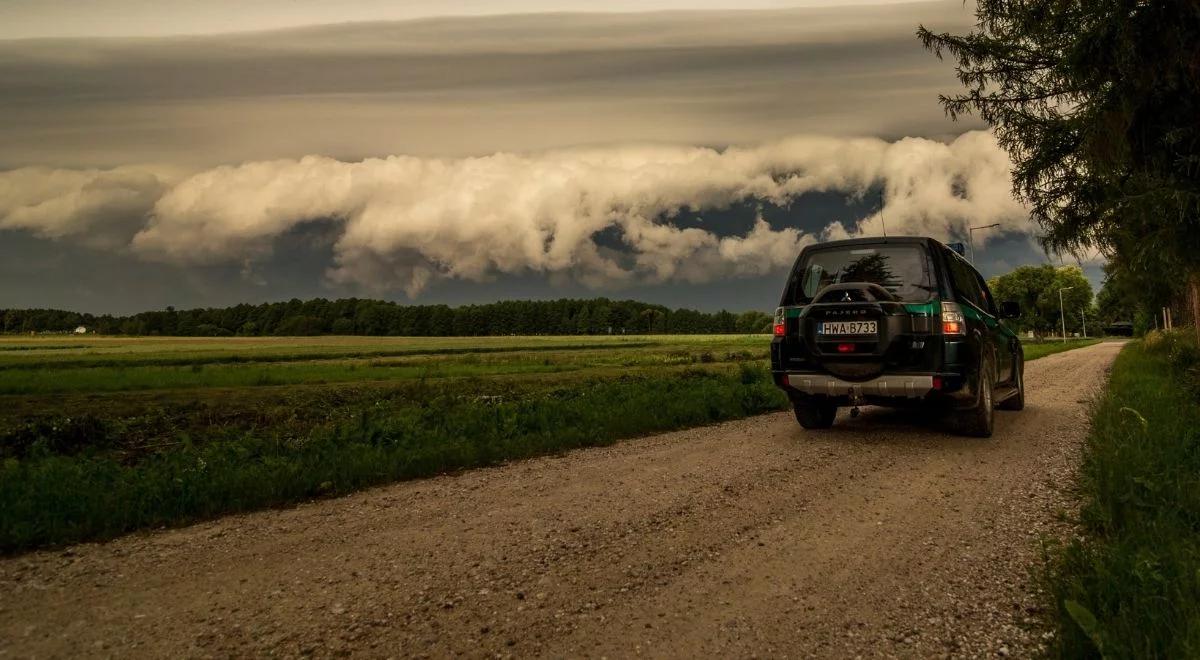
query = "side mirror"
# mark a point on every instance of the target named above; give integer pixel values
(1009, 310)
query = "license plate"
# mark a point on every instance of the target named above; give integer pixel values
(848, 328)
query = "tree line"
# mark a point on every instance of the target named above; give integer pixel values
(356, 316)
(1037, 288)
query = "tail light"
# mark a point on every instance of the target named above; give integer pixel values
(953, 322)
(780, 322)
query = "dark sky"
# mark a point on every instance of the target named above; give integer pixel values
(158, 154)
(74, 277)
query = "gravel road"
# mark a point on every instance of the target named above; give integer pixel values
(884, 536)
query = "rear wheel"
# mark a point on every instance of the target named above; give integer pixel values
(1017, 400)
(978, 420)
(814, 414)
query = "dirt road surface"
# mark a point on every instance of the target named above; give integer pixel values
(884, 536)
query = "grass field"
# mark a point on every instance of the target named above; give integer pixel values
(99, 436)
(1035, 350)
(103, 435)
(1129, 585)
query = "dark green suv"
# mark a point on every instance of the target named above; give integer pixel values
(894, 322)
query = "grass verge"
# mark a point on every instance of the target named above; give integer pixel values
(48, 498)
(1035, 350)
(1129, 585)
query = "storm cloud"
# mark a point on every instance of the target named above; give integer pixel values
(471, 158)
(404, 221)
(475, 86)
(98, 207)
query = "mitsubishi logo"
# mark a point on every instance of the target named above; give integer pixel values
(846, 297)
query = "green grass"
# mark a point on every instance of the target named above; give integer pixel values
(165, 351)
(36, 358)
(1035, 350)
(1129, 586)
(107, 436)
(253, 370)
(128, 365)
(50, 496)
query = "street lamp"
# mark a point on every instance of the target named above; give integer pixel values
(1061, 315)
(971, 237)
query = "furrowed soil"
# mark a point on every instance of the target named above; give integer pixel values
(884, 536)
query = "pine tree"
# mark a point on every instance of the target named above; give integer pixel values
(1098, 104)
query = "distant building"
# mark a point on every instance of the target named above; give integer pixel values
(81, 330)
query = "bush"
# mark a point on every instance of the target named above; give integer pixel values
(1181, 352)
(61, 435)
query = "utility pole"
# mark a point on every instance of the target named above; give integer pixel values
(1062, 315)
(1083, 317)
(971, 237)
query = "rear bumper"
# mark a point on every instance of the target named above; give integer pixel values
(906, 386)
(940, 389)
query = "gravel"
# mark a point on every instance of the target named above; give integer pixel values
(884, 536)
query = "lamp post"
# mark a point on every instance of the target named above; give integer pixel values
(971, 237)
(1061, 315)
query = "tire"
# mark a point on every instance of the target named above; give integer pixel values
(979, 420)
(1016, 401)
(814, 414)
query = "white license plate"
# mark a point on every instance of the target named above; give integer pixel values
(848, 328)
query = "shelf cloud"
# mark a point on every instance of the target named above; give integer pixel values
(473, 157)
(598, 216)
(100, 207)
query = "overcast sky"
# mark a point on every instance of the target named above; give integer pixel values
(122, 18)
(484, 150)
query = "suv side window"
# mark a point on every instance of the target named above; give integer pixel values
(965, 282)
(989, 303)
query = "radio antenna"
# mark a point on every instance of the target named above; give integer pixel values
(881, 222)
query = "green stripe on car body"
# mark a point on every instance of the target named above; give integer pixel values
(930, 308)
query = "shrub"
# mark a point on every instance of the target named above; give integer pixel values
(59, 435)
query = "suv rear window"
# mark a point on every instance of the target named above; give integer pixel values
(902, 269)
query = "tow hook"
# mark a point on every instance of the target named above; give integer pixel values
(855, 400)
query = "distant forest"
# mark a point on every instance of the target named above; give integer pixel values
(353, 316)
